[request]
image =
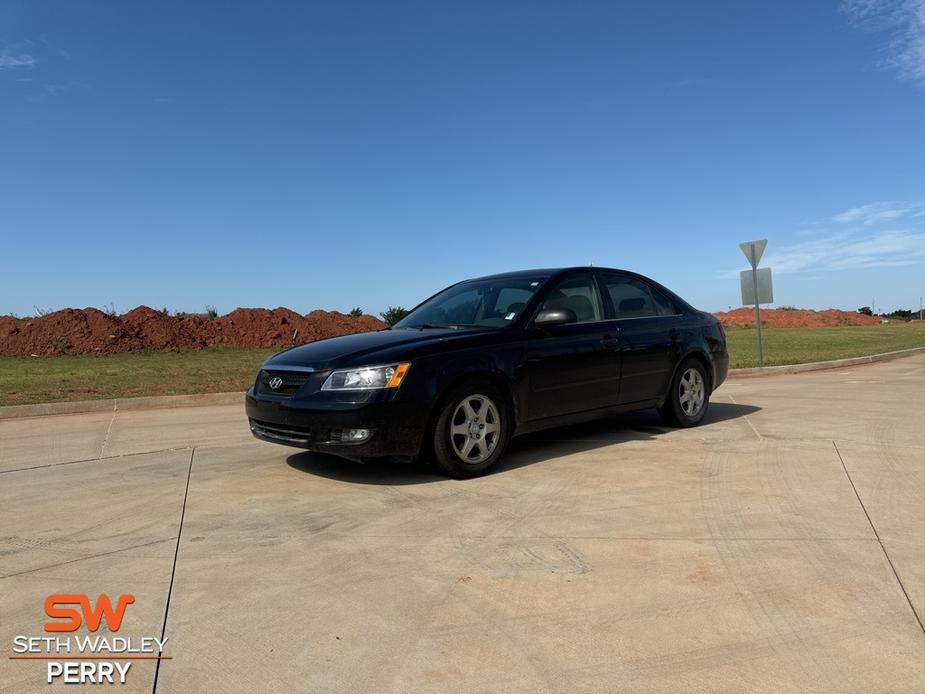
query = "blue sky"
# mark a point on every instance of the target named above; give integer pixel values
(340, 154)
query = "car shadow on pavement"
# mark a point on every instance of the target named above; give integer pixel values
(530, 449)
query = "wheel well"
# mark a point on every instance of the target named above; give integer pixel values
(707, 366)
(494, 378)
(693, 354)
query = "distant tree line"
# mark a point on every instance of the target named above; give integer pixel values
(898, 314)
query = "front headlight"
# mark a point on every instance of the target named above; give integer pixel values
(367, 377)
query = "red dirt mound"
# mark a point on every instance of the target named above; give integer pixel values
(797, 318)
(75, 331)
(83, 331)
(157, 330)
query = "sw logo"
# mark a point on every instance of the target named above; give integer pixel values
(93, 658)
(55, 607)
(59, 606)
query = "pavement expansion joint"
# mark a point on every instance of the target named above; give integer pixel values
(882, 546)
(96, 460)
(108, 433)
(176, 554)
(80, 559)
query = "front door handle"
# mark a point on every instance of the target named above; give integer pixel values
(611, 342)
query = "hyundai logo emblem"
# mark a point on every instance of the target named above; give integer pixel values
(275, 382)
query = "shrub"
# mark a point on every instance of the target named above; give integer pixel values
(393, 314)
(356, 312)
(211, 312)
(58, 345)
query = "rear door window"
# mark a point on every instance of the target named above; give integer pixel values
(630, 297)
(663, 304)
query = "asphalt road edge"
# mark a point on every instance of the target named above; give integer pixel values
(203, 399)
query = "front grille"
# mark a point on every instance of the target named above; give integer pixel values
(291, 382)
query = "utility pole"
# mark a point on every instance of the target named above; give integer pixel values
(920, 308)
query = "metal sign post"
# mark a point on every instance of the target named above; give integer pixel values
(756, 286)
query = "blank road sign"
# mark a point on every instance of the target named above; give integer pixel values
(765, 291)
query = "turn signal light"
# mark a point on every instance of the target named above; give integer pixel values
(399, 375)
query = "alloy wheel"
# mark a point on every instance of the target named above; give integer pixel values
(475, 428)
(691, 392)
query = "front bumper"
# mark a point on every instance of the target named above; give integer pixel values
(397, 427)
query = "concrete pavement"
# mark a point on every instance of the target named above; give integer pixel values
(777, 547)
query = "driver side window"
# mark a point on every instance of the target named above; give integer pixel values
(578, 294)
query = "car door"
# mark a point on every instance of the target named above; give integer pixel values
(573, 367)
(647, 323)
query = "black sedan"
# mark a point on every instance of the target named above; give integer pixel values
(491, 358)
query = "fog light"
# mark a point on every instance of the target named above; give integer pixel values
(356, 435)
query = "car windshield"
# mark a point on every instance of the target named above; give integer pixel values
(488, 303)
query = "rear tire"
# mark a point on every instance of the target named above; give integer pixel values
(688, 396)
(472, 430)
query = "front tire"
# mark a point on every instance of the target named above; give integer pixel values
(472, 431)
(689, 395)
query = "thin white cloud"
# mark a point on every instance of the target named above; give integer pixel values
(55, 89)
(16, 61)
(855, 247)
(845, 252)
(903, 22)
(877, 212)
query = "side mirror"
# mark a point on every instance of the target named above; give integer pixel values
(554, 316)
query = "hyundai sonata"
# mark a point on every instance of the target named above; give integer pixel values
(490, 358)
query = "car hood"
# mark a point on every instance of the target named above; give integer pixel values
(368, 348)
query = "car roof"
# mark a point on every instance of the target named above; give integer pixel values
(550, 273)
(547, 272)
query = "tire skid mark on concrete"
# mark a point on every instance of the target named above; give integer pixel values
(786, 625)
